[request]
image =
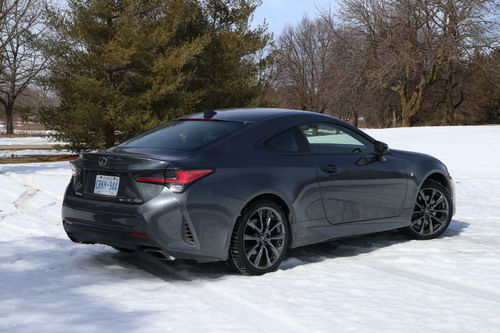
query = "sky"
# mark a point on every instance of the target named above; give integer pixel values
(280, 13)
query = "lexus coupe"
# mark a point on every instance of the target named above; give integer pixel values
(246, 185)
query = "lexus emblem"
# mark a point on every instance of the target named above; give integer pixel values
(103, 161)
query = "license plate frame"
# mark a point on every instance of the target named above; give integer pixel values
(106, 185)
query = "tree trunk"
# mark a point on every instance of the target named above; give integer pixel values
(407, 111)
(407, 120)
(410, 108)
(412, 105)
(449, 106)
(394, 120)
(355, 117)
(9, 111)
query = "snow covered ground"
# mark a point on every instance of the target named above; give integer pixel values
(25, 146)
(33, 140)
(374, 283)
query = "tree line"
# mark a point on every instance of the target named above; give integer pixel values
(399, 62)
(105, 70)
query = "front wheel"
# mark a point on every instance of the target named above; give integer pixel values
(260, 239)
(432, 212)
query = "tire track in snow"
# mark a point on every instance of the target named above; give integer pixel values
(26, 196)
(449, 285)
(22, 204)
(235, 307)
(27, 183)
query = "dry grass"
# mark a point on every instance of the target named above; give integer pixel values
(37, 159)
(23, 129)
(28, 129)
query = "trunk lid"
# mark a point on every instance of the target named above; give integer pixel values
(109, 175)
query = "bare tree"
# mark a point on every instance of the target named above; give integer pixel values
(6, 10)
(408, 43)
(317, 72)
(466, 27)
(304, 73)
(22, 58)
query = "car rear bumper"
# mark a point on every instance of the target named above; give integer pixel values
(158, 225)
(123, 238)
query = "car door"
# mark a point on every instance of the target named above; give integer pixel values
(355, 183)
(295, 174)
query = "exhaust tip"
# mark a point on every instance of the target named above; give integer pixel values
(158, 254)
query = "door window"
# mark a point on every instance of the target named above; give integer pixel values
(327, 138)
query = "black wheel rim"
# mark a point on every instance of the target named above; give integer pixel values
(431, 212)
(264, 238)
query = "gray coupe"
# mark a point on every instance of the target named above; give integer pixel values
(246, 185)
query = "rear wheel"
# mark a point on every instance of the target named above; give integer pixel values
(260, 239)
(432, 212)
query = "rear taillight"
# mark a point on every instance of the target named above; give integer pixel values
(176, 180)
(76, 170)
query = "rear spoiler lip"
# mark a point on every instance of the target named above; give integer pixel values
(159, 154)
(219, 120)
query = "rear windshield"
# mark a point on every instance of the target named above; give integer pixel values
(183, 134)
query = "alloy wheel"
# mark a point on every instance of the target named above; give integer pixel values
(431, 212)
(264, 238)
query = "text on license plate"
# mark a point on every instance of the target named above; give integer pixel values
(106, 185)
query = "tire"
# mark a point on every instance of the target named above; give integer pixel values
(432, 212)
(260, 239)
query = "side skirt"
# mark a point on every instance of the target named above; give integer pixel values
(311, 232)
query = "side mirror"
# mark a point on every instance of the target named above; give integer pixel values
(381, 148)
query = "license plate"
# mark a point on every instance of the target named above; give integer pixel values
(106, 185)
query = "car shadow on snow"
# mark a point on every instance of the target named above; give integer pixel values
(187, 270)
(357, 245)
(455, 228)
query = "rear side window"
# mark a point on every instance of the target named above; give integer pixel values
(290, 140)
(183, 134)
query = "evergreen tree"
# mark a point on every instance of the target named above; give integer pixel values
(233, 66)
(125, 65)
(119, 69)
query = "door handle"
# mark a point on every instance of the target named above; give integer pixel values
(329, 168)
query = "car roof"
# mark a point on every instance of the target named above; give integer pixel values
(254, 115)
(261, 115)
